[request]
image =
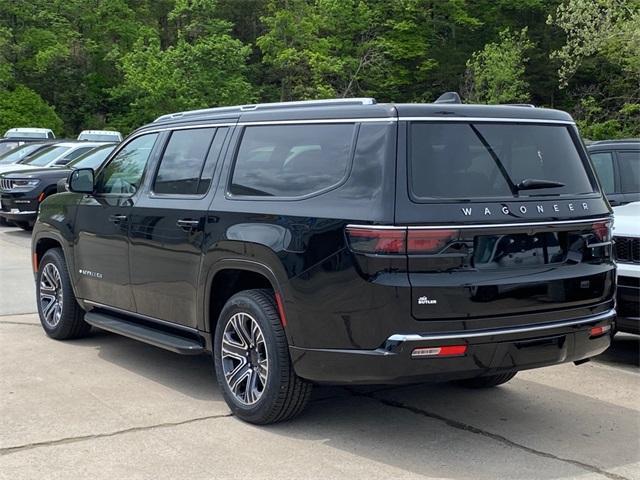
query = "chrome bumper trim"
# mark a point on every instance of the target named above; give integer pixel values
(503, 331)
(29, 212)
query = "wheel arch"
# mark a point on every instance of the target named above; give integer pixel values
(229, 276)
(47, 240)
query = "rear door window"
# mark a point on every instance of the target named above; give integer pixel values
(183, 161)
(292, 160)
(629, 164)
(460, 160)
(603, 164)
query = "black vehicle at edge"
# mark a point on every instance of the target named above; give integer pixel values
(617, 163)
(22, 192)
(313, 243)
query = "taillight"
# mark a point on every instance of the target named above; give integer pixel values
(429, 241)
(377, 240)
(602, 231)
(399, 240)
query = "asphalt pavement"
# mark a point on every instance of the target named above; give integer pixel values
(106, 407)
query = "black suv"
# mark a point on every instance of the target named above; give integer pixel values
(617, 163)
(342, 242)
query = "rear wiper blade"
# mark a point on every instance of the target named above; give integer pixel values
(534, 183)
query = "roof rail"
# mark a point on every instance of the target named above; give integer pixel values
(449, 97)
(616, 140)
(269, 106)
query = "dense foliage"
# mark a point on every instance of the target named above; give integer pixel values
(74, 64)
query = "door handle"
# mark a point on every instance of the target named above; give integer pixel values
(187, 224)
(117, 218)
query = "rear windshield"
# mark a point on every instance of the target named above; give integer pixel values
(26, 134)
(493, 160)
(99, 137)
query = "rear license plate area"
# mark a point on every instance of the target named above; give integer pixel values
(519, 250)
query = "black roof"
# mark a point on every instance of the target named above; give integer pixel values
(618, 144)
(356, 109)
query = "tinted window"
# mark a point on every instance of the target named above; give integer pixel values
(93, 159)
(18, 153)
(7, 146)
(291, 160)
(464, 160)
(183, 161)
(603, 163)
(73, 155)
(46, 156)
(629, 163)
(123, 174)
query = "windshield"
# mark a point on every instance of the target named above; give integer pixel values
(26, 134)
(18, 153)
(482, 160)
(7, 147)
(92, 159)
(99, 137)
(46, 156)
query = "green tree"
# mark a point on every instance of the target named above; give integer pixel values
(204, 68)
(22, 107)
(496, 74)
(600, 64)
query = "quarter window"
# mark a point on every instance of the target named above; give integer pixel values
(629, 163)
(291, 160)
(183, 162)
(123, 174)
(603, 163)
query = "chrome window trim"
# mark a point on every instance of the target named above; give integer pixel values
(610, 314)
(487, 225)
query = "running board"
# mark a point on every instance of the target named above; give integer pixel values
(143, 333)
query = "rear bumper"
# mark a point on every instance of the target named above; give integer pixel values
(488, 352)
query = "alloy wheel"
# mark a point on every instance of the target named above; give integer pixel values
(244, 358)
(51, 295)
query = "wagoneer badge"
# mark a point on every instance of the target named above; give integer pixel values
(540, 209)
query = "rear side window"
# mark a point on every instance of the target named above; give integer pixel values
(629, 163)
(482, 160)
(73, 155)
(183, 161)
(603, 164)
(292, 160)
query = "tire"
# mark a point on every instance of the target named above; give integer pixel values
(25, 226)
(488, 381)
(60, 315)
(256, 395)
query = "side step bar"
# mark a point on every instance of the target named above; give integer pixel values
(143, 333)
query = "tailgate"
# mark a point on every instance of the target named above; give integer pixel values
(508, 270)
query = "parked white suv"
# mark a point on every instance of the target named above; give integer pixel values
(44, 133)
(100, 136)
(626, 234)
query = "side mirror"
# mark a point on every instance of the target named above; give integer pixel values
(81, 180)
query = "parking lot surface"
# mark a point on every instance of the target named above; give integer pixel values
(109, 407)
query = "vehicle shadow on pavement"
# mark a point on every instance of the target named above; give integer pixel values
(523, 430)
(624, 350)
(190, 375)
(18, 233)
